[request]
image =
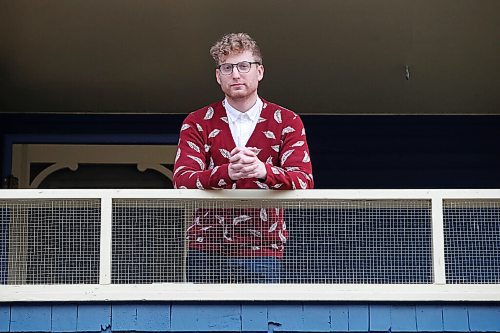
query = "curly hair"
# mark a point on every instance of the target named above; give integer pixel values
(234, 43)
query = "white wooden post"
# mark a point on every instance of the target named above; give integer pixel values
(106, 240)
(438, 260)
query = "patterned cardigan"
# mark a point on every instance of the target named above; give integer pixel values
(202, 162)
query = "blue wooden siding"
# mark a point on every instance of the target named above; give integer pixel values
(64, 318)
(4, 318)
(250, 317)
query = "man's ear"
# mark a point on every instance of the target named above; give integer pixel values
(217, 76)
(260, 72)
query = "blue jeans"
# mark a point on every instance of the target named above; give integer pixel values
(203, 267)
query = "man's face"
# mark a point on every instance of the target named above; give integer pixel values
(240, 85)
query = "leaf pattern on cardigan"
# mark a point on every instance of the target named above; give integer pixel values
(286, 155)
(214, 133)
(269, 134)
(298, 144)
(288, 129)
(225, 153)
(277, 116)
(209, 114)
(193, 146)
(197, 160)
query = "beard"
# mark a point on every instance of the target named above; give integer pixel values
(241, 92)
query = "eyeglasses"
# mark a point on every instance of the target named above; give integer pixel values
(243, 67)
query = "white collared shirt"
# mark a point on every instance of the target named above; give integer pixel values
(242, 124)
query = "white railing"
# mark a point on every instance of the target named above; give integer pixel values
(438, 289)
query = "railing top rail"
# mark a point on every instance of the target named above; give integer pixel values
(318, 194)
(250, 292)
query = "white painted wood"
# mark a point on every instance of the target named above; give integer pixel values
(60, 156)
(249, 194)
(438, 259)
(106, 240)
(249, 292)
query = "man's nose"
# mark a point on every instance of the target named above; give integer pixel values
(235, 73)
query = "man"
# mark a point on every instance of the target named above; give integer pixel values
(242, 142)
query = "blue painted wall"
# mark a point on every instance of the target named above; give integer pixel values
(250, 317)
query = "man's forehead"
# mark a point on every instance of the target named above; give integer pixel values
(237, 53)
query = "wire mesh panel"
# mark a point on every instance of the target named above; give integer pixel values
(148, 241)
(261, 241)
(49, 241)
(359, 241)
(472, 241)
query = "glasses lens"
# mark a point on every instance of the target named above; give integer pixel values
(244, 66)
(226, 68)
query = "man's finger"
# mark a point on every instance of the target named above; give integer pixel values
(234, 158)
(239, 159)
(254, 149)
(236, 150)
(250, 168)
(250, 151)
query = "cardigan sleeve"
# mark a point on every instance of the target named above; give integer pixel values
(294, 168)
(192, 168)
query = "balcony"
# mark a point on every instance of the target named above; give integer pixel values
(350, 245)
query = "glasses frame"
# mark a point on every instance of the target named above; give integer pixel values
(236, 65)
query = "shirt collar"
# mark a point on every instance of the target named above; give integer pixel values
(253, 113)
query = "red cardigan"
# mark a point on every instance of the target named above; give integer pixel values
(202, 162)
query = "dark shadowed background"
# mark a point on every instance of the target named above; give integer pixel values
(321, 56)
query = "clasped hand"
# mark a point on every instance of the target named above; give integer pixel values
(244, 163)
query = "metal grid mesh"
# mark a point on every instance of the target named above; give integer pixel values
(49, 241)
(329, 241)
(360, 242)
(472, 241)
(148, 241)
